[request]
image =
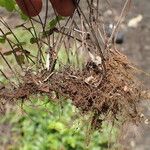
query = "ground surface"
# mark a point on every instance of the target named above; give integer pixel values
(137, 40)
(137, 46)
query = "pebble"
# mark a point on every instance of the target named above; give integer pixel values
(119, 38)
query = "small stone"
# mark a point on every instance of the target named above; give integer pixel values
(119, 38)
(135, 21)
(142, 115)
(125, 88)
(132, 143)
(146, 121)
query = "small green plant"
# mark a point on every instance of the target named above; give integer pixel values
(43, 125)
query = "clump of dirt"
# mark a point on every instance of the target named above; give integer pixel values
(108, 97)
(112, 96)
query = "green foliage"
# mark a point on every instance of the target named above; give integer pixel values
(44, 125)
(8, 4)
(52, 24)
(2, 39)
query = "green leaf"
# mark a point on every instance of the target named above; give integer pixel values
(2, 39)
(52, 24)
(8, 4)
(33, 40)
(58, 126)
(19, 44)
(23, 16)
(8, 33)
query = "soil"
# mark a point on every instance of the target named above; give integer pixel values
(137, 40)
(137, 47)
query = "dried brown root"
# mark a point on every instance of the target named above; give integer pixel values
(114, 96)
